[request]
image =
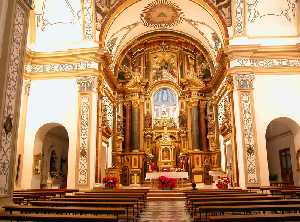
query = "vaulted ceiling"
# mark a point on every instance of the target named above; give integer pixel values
(197, 19)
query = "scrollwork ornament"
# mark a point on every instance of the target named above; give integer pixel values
(84, 140)
(17, 45)
(249, 136)
(244, 81)
(88, 83)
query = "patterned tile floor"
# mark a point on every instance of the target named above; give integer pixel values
(165, 211)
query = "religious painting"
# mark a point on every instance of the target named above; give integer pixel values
(164, 66)
(166, 155)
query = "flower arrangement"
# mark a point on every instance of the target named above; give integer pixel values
(166, 182)
(110, 182)
(222, 182)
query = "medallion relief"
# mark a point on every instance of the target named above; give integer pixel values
(161, 14)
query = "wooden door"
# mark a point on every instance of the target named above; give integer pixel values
(286, 166)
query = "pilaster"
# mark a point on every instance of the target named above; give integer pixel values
(21, 129)
(12, 60)
(86, 151)
(246, 129)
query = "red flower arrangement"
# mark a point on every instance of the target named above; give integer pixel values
(110, 182)
(166, 182)
(222, 182)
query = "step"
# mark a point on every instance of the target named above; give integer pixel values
(166, 198)
(166, 195)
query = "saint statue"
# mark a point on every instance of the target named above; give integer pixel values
(182, 119)
(148, 120)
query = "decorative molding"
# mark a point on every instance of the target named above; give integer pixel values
(84, 139)
(244, 81)
(288, 11)
(265, 63)
(239, 18)
(88, 20)
(27, 85)
(116, 38)
(15, 64)
(215, 38)
(64, 67)
(87, 84)
(249, 135)
(161, 14)
(108, 112)
(224, 115)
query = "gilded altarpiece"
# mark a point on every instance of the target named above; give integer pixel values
(157, 127)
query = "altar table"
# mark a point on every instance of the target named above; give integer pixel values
(176, 175)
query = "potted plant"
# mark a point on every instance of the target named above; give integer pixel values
(167, 183)
(222, 182)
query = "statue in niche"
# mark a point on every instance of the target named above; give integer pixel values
(182, 163)
(148, 120)
(182, 119)
(52, 169)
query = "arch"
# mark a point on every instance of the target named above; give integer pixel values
(173, 35)
(281, 146)
(123, 4)
(51, 148)
(205, 24)
(165, 103)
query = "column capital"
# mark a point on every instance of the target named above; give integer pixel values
(244, 81)
(87, 83)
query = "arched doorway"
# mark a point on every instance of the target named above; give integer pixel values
(50, 163)
(281, 151)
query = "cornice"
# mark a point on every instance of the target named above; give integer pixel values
(259, 51)
(68, 56)
(60, 75)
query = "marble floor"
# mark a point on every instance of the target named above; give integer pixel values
(165, 211)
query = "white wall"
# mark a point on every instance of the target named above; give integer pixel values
(51, 101)
(276, 96)
(272, 18)
(57, 25)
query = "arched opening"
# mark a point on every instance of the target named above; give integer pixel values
(50, 162)
(281, 146)
(165, 106)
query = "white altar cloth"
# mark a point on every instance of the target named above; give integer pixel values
(176, 175)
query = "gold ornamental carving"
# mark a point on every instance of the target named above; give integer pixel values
(161, 14)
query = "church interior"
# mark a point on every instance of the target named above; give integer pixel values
(162, 102)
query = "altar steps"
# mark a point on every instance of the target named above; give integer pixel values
(165, 195)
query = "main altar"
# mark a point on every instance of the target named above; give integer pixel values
(165, 120)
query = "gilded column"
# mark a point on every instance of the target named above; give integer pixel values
(135, 126)
(11, 69)
(245, 128)
(195, 125)
(203, 131)
(141, 124)
(86, 131)
(99, 129)
(128, 126)
(235, 168)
